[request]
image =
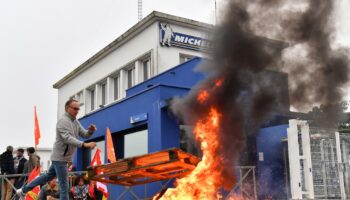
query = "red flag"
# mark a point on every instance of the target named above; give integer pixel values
(33, 194)
(36, 128)
(110, 146)
(96, 160)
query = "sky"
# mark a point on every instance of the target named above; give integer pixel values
(41, 41)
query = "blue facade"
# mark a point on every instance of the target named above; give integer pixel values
(145, 107)
(271, 163)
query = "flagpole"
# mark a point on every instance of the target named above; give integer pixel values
(215, 14)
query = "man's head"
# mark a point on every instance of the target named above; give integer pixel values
(9, 148)
(20, 152)
(72, 107)
(30, 151)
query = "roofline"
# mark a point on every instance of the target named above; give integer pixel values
(129, 34)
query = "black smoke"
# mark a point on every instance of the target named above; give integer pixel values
(253, 41)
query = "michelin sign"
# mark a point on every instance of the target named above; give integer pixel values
(167, 37)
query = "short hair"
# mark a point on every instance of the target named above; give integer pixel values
(30, 150)
(9, 148)
(78, 178)
(20, 150)
(69, 102)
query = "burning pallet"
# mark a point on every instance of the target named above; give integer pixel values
(162, 165)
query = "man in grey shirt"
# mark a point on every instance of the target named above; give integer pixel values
(68, 130)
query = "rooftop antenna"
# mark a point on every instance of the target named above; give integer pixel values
(139, 9)
(215, 14)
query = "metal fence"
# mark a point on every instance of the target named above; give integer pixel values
(330, 163)
(6, 179)
(245, 187)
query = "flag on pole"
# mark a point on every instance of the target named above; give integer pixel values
(96, 160)
(110, 147)
(36, 128)
(33, 194)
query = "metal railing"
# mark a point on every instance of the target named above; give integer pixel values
(6, 179)
(245, 187)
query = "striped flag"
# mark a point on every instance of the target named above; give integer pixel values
(33, 194)
(97, 161)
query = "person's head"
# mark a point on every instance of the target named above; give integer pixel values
(30, 151)
(9, 149)
(80, 181)
(53, 182)
(72, 107)
(20, 152)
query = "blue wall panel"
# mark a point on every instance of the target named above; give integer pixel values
(163, 128)
(271, 171)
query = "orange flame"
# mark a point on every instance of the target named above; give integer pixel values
(218, 82)
(202, 96)
(203, 181)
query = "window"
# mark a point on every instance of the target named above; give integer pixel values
(131, 77)
(92, 99)
(116, 87)
(188, 142)
(146, 66)
(184, 58)
(80, 98)
(103, 94)
(136, 143)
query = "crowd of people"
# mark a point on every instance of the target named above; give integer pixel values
(16, 165)
(54, 182)
(21, 166)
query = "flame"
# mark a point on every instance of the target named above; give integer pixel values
(205, 181)
(202, 96)
(218, 82)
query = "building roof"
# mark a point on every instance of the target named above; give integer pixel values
(129, 34)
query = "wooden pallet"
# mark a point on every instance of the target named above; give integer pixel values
(162, 165)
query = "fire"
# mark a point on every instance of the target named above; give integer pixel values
(205, 181)
(202, 183)
(202, 96)
(218, 82)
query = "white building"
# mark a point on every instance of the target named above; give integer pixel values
(156, 43)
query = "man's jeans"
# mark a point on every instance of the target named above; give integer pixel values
(57, 168)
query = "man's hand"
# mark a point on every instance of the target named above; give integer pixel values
(92, 128)
(90, 145)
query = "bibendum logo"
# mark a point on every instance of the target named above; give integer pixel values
(168, 33)
(167, 37)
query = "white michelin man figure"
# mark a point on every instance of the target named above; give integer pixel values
(168, 33)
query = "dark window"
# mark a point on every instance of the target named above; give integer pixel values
(184, 58)
(92, 99)
(103, 93)
(116, 87)
(146, 69)
(131, 76)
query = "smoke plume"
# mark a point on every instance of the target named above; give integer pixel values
(253, 41)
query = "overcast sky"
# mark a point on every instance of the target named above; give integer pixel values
(41, 41)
